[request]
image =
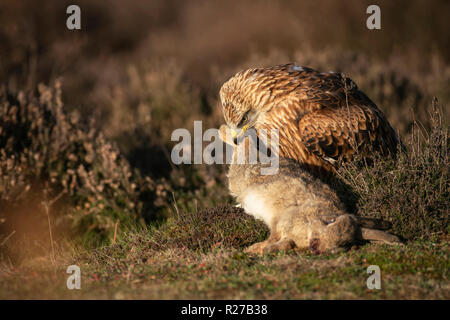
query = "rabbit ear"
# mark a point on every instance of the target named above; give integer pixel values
(373, 235)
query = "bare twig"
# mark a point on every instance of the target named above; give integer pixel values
(46, 205)
(7, 238)
(175, 204)
(115, 231)
(57, 198)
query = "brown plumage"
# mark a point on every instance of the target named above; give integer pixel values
(323, 118)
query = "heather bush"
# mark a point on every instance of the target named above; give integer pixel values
(48, 155)
(153, 101)
(411, 191)
(223, 226)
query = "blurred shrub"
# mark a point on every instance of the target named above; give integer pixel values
(153, 100)
(412, 191)
(36, 47)
(48, 154)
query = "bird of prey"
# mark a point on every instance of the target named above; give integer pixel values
(322, 118)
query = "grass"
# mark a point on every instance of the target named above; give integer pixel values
(200, 255)
(416, 271)
(413, 190)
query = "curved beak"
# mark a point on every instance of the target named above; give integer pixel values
(237, 133)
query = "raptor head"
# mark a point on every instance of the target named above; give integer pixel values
(240, 106)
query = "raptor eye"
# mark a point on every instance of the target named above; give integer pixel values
(244, 120)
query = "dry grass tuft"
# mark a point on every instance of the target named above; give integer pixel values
(411, 191)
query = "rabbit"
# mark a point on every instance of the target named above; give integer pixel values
(300, 210)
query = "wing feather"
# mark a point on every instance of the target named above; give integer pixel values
(331, 133)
